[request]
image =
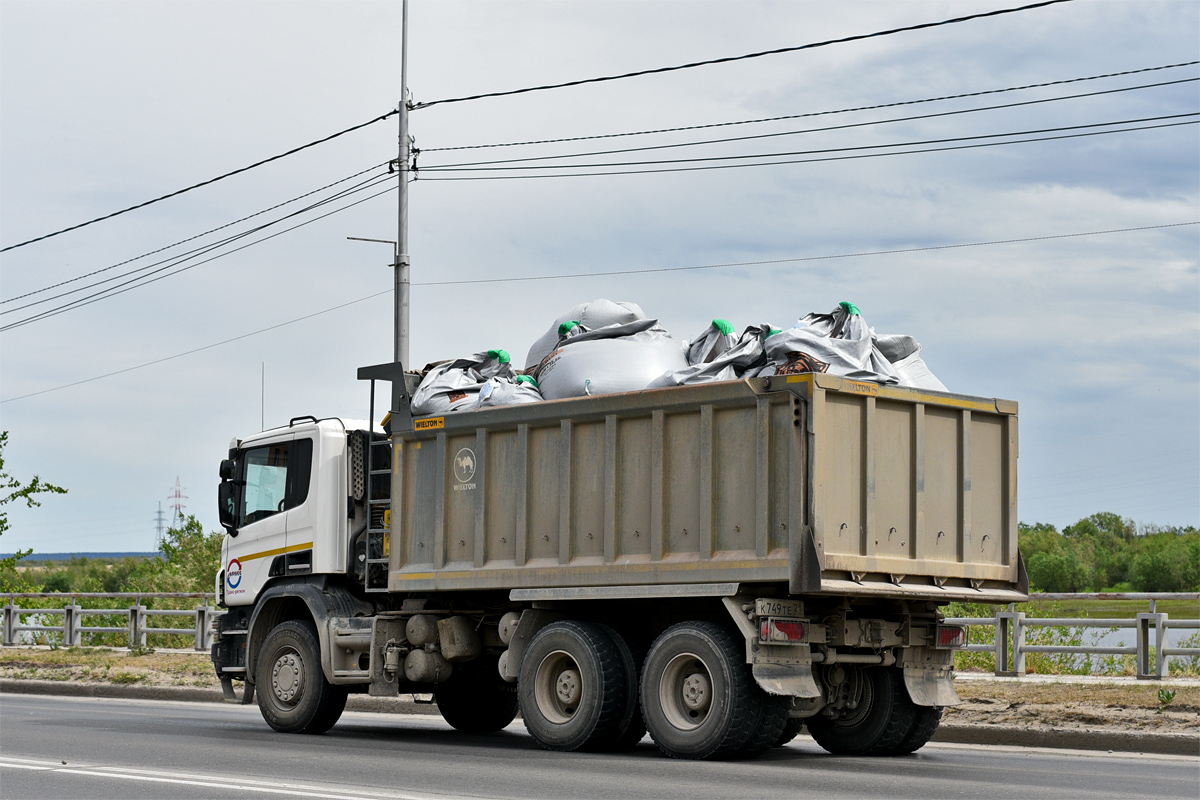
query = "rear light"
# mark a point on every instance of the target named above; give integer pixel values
(949, 636)
(782, 631)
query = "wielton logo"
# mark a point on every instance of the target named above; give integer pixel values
(464, 469)
(233, 573)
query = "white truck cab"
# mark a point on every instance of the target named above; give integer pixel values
(286, 506)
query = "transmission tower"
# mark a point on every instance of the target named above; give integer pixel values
(177, 497)
(160, 524)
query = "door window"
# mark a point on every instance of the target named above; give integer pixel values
(266, 470)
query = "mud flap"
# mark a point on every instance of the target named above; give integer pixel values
(790, 680)
(231, 696)
(930, 687)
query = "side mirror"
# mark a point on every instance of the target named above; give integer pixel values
(228, 466)
(227, 504)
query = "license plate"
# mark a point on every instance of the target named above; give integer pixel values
(769, 607)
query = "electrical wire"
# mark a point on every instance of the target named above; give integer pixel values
(776, 134)
(800, 161)
(178, 192)
(811, 113)
(607, 274)
(121, 290)
(610, 273)
(181, 258)
(744, 57)
(191, 238)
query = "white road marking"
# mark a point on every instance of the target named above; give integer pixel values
(221, 782)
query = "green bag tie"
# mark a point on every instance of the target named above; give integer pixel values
(527, 379)
(566, 327)
(723, 326)
(850, 308)
(500, 355)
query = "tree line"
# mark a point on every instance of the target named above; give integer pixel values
(1107, 552)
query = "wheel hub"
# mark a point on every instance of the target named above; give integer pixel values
(697, 692)
(568, 687)
(287, 677)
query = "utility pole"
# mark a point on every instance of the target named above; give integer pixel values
(160, 524)
(402, 260)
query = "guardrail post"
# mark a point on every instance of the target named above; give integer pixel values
(1009, 623)
(1144, 622)
(137, 626)
(12, 617)
(72, 622)
(204, 628)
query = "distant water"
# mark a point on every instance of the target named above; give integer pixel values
(69, 556)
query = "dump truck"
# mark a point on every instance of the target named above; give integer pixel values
(716, 565)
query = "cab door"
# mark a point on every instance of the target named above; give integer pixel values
(261, 524)
(300, 506)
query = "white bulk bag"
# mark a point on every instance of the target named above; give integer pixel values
(455, 385)
(592, 316)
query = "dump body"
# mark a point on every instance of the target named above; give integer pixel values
(833, 486)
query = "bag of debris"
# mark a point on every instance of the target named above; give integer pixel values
(715, 340)
(614, 358)
(904, 353)
(454, 385)
(592, 316)
(839, 343)
(739, 360)
(498, 392)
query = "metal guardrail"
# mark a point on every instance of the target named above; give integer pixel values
(136, 627)
(1011, 627)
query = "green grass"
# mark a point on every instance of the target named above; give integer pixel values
(1113, 609)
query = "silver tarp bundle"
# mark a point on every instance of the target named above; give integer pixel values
(505, 391)
(592, 316)
(604, 347)
(736, 359)
(455, 385)
(839, 343)
(614, 358)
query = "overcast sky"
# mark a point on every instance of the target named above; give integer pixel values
(105, 104)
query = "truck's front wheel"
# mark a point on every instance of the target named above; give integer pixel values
(292, 692)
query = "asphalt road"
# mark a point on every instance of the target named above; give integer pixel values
(58, 747)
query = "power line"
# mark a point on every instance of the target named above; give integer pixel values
(178, 192)
(804, 258)
(776, 134)
(183, 258)
(115, 291)
(606, 274)
(190, 238)
(796, 161)
(809, 114)
(729, 59)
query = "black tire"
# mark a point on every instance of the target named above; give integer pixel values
(791, 730)
(772, 719)
(632, 728)
(476, 699)
(883, 717)
(572, 686)
(926, 723)
(290, 687)
(698, 697)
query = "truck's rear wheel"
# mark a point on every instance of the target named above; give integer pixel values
(880, 719)
(292, 692)
(632, 728)
(791, 730)
(572, 686)
(924, 726)
(698, 698)
(475, 700)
